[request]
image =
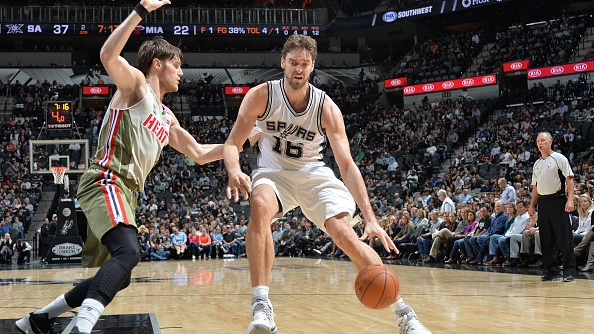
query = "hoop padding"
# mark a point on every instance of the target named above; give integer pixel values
(59, 172)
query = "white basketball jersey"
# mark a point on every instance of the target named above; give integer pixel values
(291, 140)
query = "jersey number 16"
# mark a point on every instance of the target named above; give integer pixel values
(290, 151)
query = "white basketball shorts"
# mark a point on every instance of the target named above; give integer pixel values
(318, 192)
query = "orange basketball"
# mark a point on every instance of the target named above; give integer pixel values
(377, 287)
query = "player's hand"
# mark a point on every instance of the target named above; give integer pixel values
(531, 211)
(239, 183)
(569, 205)
(373, 229)
(151, 5)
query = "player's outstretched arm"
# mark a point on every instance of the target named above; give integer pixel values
(333, 124)
(253, 104)
(125, 76)
(183, 142)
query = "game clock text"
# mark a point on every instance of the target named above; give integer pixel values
(94, 29)
(59, 115)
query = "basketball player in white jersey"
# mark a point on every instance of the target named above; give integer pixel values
(135, 129)
(295, 120)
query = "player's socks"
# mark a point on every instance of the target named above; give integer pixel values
(260, 292)
(89, 313)
(55, 308)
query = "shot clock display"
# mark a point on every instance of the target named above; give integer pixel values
(59, 115)
(94, 29)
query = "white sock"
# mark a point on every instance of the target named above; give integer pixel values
(23, 324)
(260, 291)
(89, 313)
(399, 305)
(55, 308)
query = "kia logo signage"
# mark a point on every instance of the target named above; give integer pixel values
(566, 69)
(489, 79)
(434, 87)
(389, 17)
(467, 82)
(447, 85)
(428, 88)
(516, 66)
(395, 82)
(236, 90)
(95, 90)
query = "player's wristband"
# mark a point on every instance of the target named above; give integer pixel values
(141, 10)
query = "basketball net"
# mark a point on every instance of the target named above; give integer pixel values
(59, 173)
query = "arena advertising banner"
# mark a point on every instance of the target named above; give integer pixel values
(553, 71)
(95, 90)
(517, 65)
(396, 82)
(436, 8)
(440, 86)
(236, 90)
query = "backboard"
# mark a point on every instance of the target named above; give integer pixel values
(70, 153)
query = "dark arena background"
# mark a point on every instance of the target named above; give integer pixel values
(435, 95)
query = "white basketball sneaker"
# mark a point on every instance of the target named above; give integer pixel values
(262, 318)
(409, 323)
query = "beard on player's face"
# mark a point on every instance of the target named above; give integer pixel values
(296, 84)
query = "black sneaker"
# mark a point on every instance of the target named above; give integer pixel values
(41, 323)
(568, 278)
(549, 276)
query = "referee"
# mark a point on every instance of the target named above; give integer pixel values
(550, 174)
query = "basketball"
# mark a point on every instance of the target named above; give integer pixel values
(377, 287)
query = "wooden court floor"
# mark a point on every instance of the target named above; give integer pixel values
(317, 296)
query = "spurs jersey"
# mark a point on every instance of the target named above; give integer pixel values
(131, 140)
(291, 140)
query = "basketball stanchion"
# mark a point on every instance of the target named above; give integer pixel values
(67, 245)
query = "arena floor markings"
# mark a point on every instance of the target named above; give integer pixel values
(309, 296)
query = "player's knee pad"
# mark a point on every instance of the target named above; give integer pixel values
(126, 283)
(111, 278)
(128, 256)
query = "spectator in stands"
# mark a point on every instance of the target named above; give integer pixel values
(584, 209)
(6, 249)
(23, 250)
(484, 223)
(179, 240)
(204, 245)
(240, 239)
(447, 203)
(287, 240)
(521, 246)
(480, 243)
(193, 242)
(425, 241)
(518, 219)
(508, 192)
(440, 238)
(229, 241)
(457, 240)
(161, 252)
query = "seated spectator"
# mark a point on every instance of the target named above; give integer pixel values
(23, 250)
(240, 239)
(458, 238)
(424, 241)
(441, 238)
(229, 241)
(193, 242)
(179, 240)
(144, 248)
(6, 249)
(484, 223)
(204, 244)
(217, 243)
(521, 247)
(584, 209)
(160, 251)
(517, 220)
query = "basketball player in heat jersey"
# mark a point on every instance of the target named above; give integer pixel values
(295, 120)
(135, 129)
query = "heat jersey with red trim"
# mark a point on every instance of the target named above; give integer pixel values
(131, 140)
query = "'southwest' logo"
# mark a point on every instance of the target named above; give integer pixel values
(153, 124)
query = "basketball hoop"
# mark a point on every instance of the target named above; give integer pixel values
(59, 172)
